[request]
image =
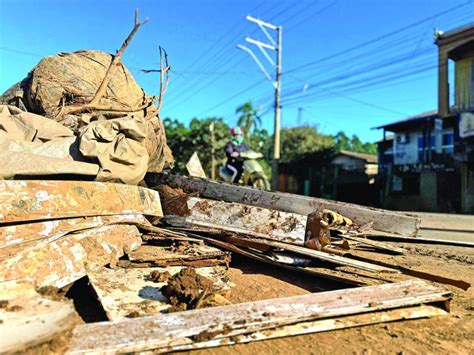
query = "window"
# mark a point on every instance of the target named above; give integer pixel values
(447, 143)
(448, 139)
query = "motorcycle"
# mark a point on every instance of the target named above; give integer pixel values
(253, 174)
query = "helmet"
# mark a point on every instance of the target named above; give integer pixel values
(236, 131)
(237, 135)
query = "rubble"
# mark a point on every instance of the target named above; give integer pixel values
(156, 259)
(212, 327)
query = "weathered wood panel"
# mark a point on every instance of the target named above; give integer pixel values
(130, 293)
(153, 255)
(30, 200)
(383, 220)
(67, 259)
(177, 329)
(38, 234)
(318, 326)
(27, 318)
(316, 254)
(236, 217)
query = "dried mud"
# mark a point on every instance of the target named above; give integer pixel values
(189, 290)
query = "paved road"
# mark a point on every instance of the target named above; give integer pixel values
(446, 226)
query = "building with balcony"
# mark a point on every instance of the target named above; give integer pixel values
(427, 164)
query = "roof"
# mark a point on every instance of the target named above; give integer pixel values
(454, 34)
(420, 117)
(369, 158)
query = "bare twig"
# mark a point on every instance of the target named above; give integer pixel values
(94, 103)
(164, 68)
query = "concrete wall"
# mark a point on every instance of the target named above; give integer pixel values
(406, 153)
(350, 163)
(467, 189)
(428, 192)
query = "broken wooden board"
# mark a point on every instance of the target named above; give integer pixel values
(38, 234)
(166, 331)
(330, 274)
(419, 239)
(323, 325)
(30, 200)
(182, 254)
(194, 166)
(383, 220)
(316, 254)
(27, 318)
(131, 293)
(69, 258)
(239, 218)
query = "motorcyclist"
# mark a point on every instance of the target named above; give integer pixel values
(235, 164)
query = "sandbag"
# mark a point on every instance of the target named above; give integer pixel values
(71, 78)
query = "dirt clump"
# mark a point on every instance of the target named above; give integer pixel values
(189, 290)
(4, 304)
(157, 276)
(209, 334)
(51, 292)
(173, 201)
(180, 246)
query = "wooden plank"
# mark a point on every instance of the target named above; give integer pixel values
(318, 326)
(181, 328)
(69, 258)
(130, 292)
(198, 255)
(30, 234)
(330, 274)
(239, 218)
(316, 254)
(27, 318)
(194, 166)
(383, 220)
(418, 239)
(416, 273)
(30, 200)
(375, 244)
(342, 274)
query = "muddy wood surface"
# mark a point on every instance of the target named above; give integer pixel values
(452, 334)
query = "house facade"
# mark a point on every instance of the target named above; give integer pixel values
(427, 164)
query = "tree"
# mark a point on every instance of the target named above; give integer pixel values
(249, 118)
(299, 141)
(353, 144)
(184, 141)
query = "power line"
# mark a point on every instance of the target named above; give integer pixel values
(364, 44)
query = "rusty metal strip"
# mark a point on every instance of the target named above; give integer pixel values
(30, 200)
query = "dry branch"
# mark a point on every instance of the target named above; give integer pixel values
(94, 103)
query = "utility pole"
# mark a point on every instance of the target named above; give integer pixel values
(277, 47)
(213, 151)
(276, 140)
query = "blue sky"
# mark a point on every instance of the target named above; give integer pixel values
(365, 62)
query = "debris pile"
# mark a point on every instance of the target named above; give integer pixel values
(83, 114)
(155, 259)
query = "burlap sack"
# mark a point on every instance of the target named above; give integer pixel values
(71, 78)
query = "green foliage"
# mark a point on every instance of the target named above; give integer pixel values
(353, 144)
(185, 141)
(299, 141)
(248, 118)
(296, 142)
